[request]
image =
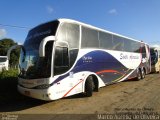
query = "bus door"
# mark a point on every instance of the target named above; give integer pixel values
(61, 58)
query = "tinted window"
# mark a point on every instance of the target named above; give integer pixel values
(69, 33)
(37, 34)
(127, 45)
(61, 56)
(61, 60)
(38, 67)
(131, 46)
(136, 46)
(89, 38)
(105, 40)
(46, 61)
(118, 43)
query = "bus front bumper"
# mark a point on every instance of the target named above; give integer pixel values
(42, 94)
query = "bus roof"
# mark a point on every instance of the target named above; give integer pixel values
(90, 26)
(96, 28)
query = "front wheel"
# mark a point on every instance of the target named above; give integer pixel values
(89, 86)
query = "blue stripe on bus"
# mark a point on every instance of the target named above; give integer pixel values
(98, 61)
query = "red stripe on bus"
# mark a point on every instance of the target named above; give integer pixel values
(72, 88)
(109, 71)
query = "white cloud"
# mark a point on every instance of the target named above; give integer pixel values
(2, 33)
(19, 43)
(113, 11)
(50, 9)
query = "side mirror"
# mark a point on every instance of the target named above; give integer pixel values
(43, 43)
(12, 48)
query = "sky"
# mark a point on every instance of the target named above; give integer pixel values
(138, 19)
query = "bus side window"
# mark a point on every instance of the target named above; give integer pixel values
(127, 45)
(61, 60)
(105, 40)
(118, 43)
(89, 38)
(136, 47)
(69, 33)
(61, 57)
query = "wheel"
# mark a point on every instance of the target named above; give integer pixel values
(142, 74)
(89, 86)
(139, 75)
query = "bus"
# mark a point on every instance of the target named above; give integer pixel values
(3, 63)
(65, 57)
(155, 59)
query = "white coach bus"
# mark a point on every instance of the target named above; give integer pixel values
(3, 63)
(66, 57)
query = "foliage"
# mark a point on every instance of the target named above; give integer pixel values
(10, 74)
(5, 44)
(8, 85)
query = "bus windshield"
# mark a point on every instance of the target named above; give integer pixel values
(31, 65)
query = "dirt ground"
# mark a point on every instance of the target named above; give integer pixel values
(125, 97)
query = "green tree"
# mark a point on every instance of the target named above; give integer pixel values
(5, 44)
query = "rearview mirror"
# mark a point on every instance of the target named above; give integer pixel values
(43, 44)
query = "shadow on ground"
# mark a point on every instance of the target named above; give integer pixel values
(11, 100)
(131, 80)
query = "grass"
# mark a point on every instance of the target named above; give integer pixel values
(8, 85)
(9, 95)
(8, 75)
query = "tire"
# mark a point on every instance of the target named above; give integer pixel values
(89, 86)
(142, 74)
(139, 75)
